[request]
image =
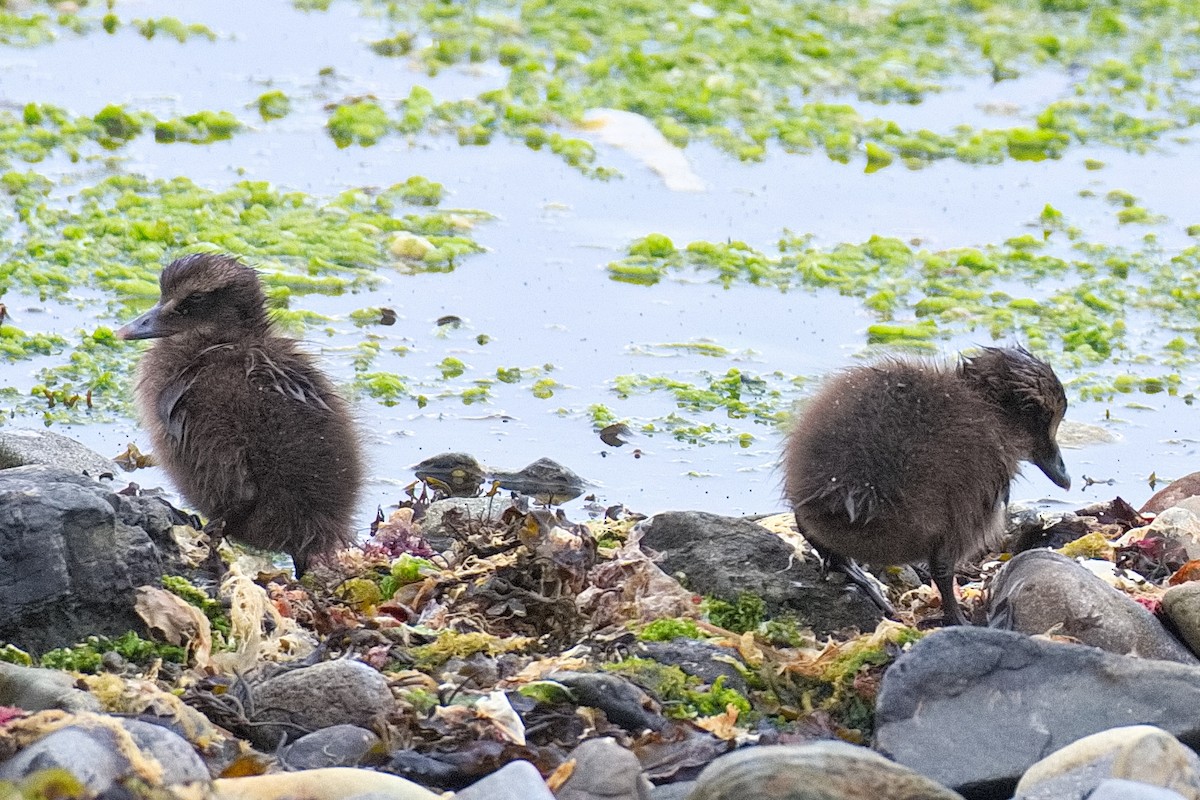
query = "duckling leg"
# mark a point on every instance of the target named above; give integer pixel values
(831, 560)
(943, 578)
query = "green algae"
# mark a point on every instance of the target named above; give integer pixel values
(87, 656)
(203, 127)
(752, 74)
(172, 27)
(273, 105)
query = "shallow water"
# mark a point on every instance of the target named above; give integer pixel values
(542, 293)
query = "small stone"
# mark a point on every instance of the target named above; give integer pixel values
(1170, 495)
(604, 771)
(37, 689)
(819, 771)
(1040, 591)
(453, 517)
(1116, 789)
(1141, 754)
(321, 696)
(23, 446)
(623, 703)
(179, 760)
(517, 780)
(335, 746)
(1182, 604)
(348, 782)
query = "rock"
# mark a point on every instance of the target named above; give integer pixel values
(342, 783)
(1182, 605)
(307, 699)
(92, 750)
(973, 708)
(36, 689)
(604, 769)
(1040, 591)
(1179, 525)
(708, 662)
(623, 703)
(726, 556)
(1141, 754)
(1116, 789)
(517, 780)
(452, 517)
(819, 771)
(1170, 495)
(335, 746)
(71, 561)
(21, 447)
(673, 791)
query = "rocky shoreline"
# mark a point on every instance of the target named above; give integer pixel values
(488, 648)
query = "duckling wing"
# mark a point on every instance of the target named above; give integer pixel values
(286, 379)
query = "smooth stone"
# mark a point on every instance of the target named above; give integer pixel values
(1116, 789)
(708, 662)
(673, 791)
(21, 447)
(1040, 591)
(37, 689)
(603, 770)
(335, 783)
(335, 746)
(74, 552)
(819, 771)
(1171, 494)
(95, 756)
(516, 780)
(451, 517)
(728, 556)
(340, 692)
(1182, 604)
(974, 708)
(1141, 754)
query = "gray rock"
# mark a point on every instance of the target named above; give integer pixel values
(307, 699)
(517, 780)
(974, 708)
(453, 517)
(818, 771)
(1116, 789)
(71, 561)
(1040, 591)
(21, 447)
(623, 703)
(708, 662)
(336, 746)
(1182, 604)
(673, 791)
(1140, 754)
(36, 689)
(604, 769)
(725, 556)
(93, 754)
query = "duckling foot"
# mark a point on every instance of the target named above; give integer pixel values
(943, 579)
(856, 575)
(215, 529)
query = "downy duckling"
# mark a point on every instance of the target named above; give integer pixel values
(906, 461)
(248, 428)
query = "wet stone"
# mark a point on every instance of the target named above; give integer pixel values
(454, 517)
(623, 703)
(1040, 591)
(819, 771)
(1175, 492)
(335, 746)
(1182, 604)
(1115, 789)
(1138, 754)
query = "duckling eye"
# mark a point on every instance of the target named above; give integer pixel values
(188, 304)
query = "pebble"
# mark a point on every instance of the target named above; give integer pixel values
(341, 692)
(517, 780)
(604, 771)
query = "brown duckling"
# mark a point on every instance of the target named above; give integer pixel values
(907, 461)
(245, 424)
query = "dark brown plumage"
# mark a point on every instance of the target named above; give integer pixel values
(908, 461)
(245, 424)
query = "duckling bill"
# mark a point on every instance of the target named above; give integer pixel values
(250, 430)
(907, 461)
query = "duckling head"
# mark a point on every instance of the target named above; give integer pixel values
(1031, 399)
(212, 295)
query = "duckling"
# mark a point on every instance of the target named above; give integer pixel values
(249, 429)
(906, 461)
(455, 474)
